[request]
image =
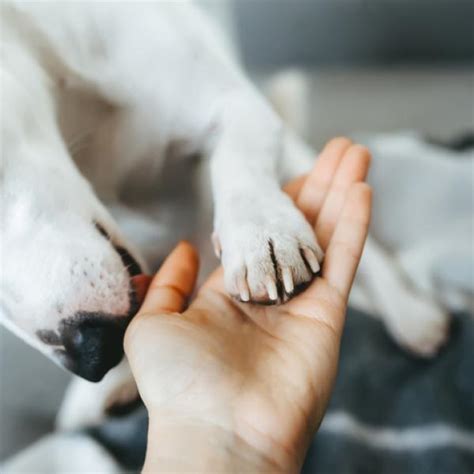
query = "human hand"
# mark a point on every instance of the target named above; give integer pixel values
(240, 386)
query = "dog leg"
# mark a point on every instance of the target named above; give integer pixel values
(267, 248)
(414, 319)
(242, 256)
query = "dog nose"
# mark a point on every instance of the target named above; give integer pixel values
(93, 345)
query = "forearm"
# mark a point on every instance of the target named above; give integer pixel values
(188, 446)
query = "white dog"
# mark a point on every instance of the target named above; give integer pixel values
(96, 99)
(153, 85)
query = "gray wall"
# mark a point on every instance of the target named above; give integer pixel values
(274, 33)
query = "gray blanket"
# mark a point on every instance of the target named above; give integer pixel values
(394, 413)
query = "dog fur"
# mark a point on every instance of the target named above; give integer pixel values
(107, 65)
(99, 99)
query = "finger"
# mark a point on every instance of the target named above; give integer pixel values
(293, 188)
(173, 284)
(353, 168)
(347, 242)
(317, 184)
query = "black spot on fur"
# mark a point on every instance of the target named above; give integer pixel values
(125, 437)
(277, 271)
(102, 231)
(461, 142)
(129, 262)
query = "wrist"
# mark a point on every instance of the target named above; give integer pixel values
(185, 444)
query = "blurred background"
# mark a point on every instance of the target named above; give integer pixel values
(373, 66)
(376, 65)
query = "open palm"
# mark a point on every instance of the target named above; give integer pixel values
(262, 373)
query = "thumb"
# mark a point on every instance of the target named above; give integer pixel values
(171, 287)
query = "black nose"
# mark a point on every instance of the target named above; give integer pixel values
(93, 344)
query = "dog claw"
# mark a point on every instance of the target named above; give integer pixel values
(243, 290)
(311, 259)
(216, 245)
(272, 290)
(288, 280)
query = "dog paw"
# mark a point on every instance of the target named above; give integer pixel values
(422, 327)
(269, 256)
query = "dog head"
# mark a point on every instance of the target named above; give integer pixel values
(65, 279)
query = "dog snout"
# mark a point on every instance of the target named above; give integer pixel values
(93, 344)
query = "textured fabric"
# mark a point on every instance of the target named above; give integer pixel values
(394, 413)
